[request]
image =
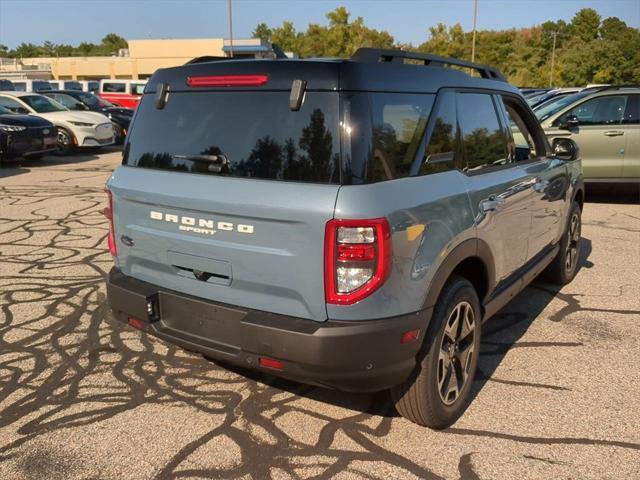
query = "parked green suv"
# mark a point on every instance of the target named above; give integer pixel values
(606, 127)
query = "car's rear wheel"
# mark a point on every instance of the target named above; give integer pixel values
(65, 142)
(439, 390)
(564, 267)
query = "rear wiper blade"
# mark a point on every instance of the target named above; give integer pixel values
(217, 163)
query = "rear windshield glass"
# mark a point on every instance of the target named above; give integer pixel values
(239, 134)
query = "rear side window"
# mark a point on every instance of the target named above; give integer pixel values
(601, 110)
(383, 132)
(248, 135)
(483, 140)
(109, 87)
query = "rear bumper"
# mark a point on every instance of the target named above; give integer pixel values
(358, 356)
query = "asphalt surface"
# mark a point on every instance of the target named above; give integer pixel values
(81, 396)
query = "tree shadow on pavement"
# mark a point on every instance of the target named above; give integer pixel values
(65, 365)
(503, 331)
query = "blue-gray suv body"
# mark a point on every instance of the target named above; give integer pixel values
(347, 223)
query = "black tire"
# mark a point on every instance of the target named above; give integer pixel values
(425, 397)
(564, 267)
(65, 142)
(118, 133)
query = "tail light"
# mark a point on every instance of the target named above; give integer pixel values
(357, 259)
(108, 212)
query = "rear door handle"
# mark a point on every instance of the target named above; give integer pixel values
(613, 133)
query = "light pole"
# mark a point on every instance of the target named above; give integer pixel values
(475, 18)
(230, 32)
(553, 58)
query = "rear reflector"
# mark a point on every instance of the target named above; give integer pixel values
(350, 251)
(228, 80)
(410, 336)
(271, 363)
(135, 323)
(111, 236)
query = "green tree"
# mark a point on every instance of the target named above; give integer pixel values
(25, 50)
(585, 24)
(86, 49)
(285, 37)
(111, 43)
(340, 38)
(263, 32)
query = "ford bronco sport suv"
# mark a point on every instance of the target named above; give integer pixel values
(346, 223)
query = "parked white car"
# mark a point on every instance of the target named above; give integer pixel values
(75, 129)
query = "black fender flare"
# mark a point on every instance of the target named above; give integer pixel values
(471, 248)
(578, 188)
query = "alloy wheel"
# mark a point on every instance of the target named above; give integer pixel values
(573, 240)
(456, 352)
(63, 139)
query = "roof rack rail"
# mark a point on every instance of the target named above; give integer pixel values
(375, 55)
(599, 88)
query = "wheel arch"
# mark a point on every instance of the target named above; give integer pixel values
(471, 259)
(578, 196)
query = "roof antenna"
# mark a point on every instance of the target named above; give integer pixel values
(230, 32)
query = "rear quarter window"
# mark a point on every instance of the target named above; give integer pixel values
(384, 132)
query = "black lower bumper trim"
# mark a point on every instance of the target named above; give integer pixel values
(359, 356)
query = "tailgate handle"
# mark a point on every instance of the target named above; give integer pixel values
(201, 275)
(199, 268)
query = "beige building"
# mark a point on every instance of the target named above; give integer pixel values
(139, 61)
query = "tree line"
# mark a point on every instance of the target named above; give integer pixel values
(589, 48)
(108, 46)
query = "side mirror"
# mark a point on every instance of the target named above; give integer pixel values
(569, 123)
(565, 149)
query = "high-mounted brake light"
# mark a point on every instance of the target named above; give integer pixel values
(357, 259)
(108, 212)
(253, 80)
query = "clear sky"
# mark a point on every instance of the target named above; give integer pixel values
(75, 21)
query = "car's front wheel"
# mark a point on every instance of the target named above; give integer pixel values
(65, 142)
(439, 390)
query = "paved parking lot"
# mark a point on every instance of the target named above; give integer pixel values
(81, 396)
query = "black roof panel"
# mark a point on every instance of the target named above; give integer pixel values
(333, 75)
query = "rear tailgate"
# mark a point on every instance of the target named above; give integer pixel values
(252, 235)
(268, 255)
